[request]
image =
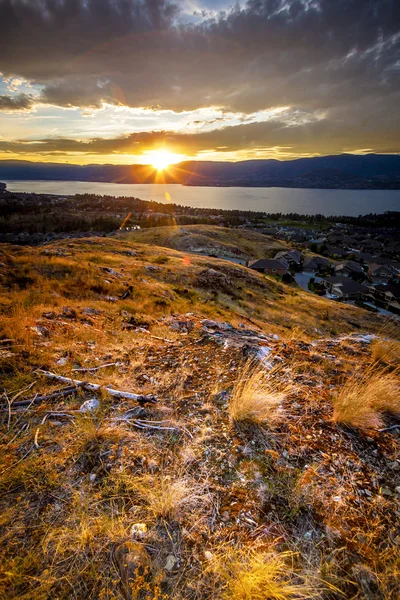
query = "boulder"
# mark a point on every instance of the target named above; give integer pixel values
(133, 564)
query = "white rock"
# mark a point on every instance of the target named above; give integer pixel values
(208, 555)
(90, 405)
(138, 531)
(170, 562)
(62, 361)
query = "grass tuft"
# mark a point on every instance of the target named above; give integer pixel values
(364, 399)
(251, 575)
(257, 396)
(170, 498)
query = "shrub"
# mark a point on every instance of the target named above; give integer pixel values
(170, 498)
(365, 397)
(386, 351)
(257, 397)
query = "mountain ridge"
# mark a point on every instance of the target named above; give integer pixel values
(371, 171)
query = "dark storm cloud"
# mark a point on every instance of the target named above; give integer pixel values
(19, 102)
(312, 55)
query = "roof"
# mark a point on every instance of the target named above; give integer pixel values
(321, 260)
(393, 289)
(295, 254)
(347, 286)
(375, 267)
(350, 264)
(268, 263)
(310, 262)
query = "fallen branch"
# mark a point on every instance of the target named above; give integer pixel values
(35, 441)
(39, 398)
(149, 425)
(156, 337)
(71, 414)
(93, 369)
(391, 428)
(95, 387)
(25, 426)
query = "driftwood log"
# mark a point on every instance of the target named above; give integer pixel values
(95, 387)
(73, 386)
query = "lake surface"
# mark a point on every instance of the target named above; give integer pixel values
(285, 200)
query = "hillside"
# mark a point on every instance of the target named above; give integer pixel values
(205, 239)
(213, 460)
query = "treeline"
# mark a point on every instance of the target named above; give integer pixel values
(386, 219)
(40, 213)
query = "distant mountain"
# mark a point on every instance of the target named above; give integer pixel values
(350, 171)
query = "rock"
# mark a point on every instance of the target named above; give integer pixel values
(152, 268)
(108, 270)
(367, 581)
(49, 315)
(170, 562)
(90, 405)
(138, 531)
(208, 555)
(135, 412)
(221, 398)
(40, 330)
(184, 326)
(62, 361)
(133, 564)
(91, 312)
(395, 465)
(69, 313)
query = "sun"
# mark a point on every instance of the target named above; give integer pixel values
(161, 159)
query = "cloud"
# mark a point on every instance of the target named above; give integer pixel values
(268, 53)
(19, 102)
(288, 132)
(338, 58)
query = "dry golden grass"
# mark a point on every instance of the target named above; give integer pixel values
(81, 532)
(252, 575)
(257, 396)
(365, 397)
(244, 244)
(386, 351)
(170, 498)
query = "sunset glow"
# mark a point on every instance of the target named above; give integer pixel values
(162, 159)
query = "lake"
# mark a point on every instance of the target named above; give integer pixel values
(284, 200)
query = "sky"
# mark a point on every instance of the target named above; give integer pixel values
(119, 81)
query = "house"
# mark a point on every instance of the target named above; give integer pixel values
(316, 263)
(293, 257)
(345, 288)
(387, 296)
(380, 273)
(348, 268)
(335, 251)
(270, 266)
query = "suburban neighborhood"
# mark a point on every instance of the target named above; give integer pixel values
(346, 263)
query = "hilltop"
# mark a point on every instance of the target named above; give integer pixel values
(170, 479)
(205, 239)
